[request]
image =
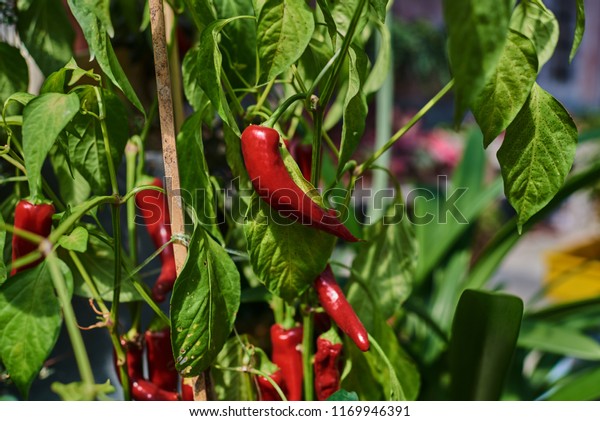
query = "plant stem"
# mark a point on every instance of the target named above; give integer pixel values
(78, 212)
(112, 173)
(282, 108)
(307, 352)
(81, 356)
(131, 151)
(315, 171)
(367, 164)
(256, 373)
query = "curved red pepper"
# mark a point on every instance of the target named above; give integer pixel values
(33, 218)
(161, 365)
(287, 356)
(339, 309)
(143, 390)
(302, 154)
(187, 391)
(266, 389)
(327, 370)
(155, 213)
(273, 183)
(135, 362)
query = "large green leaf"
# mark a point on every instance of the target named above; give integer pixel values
(538, 23)
(558, 340)
(477, 31)
(342, 15)
(209, 62)
(579, 29)
(383, 63)
(30, 321)
(355, 106)
(99, 262)
(285, 255)
(74, 187)
(239, 42)
(43, 119)
(284, 29)
(581, 386)
(93, 17)
(507, 90)
(202, 12)
(233, 385)
(537, 153)
(197, 190)
(484, 335)
(204, 304)
(86, 145)
(191, 68)
(386, 263)
(13, 72)
(371, 376)
(46, 32)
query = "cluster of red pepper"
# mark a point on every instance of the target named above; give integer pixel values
(162, 380)
(273, 183)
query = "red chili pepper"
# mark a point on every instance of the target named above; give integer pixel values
(161, 365)
(327, 370)
(287, 356)
(270, 178)
(266, 389)
(143, 390)
(339, 309)
(187, 391)
(155, 213)
(303, 156)
(135, 363)
(33, 218)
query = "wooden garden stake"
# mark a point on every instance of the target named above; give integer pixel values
(167, 128)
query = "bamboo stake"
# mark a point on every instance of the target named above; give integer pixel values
(167, 128)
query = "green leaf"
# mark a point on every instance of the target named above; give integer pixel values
(30, 321)
(201, 11)
(477, 32)
(233, 385)
(238, 42)
(342, 15)
(74, 187)
(3, 272)
(285, 255)
(284, 29)
(46, 33)
(43, 119)
(383, 64)
(22, 98)
(537, 153)
(191, 68)
(204, 304)
(91, 16)
(484, 334)
(343, 395)
(380, 8)
(99, 262)
(538, 23)
(507, 90)
(86, 145)
(371, 376)
(195, 179)
(355, 107)
(386, 263)
(326, 8)
(13, 71)
(579, 29)
(209, 62)
(79, 391)
(233, 154)
(76, 241)
(581, 386)
(558, 340)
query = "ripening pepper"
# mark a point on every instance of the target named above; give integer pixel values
(33, 218)
(266, 389)
(161, 364)
(327, 368)
(286, 344)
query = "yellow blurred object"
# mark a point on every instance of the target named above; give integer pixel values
(574, 272)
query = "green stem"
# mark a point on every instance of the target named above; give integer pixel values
(282, 108)
(256, 373)
(337, 67)
(112, 173)
(87, 279)
(131, 151)
(237, 106)
(366, 165)
(78, 212)
(307, 352)
(81, 356)
(315, 171)
(265, 94)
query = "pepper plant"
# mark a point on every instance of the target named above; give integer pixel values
(280, 90)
